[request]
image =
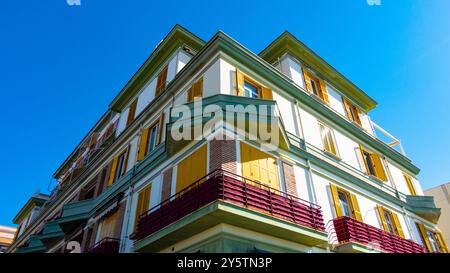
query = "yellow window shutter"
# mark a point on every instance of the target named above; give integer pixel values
(355, 207)
(378, 166)
(382, 220)
(307, 79)
(441, 240)
(347, 108)
(398, 226)
(142, 203)
(323, 89)
(191, 169)
(112, 174)
(160, 128)
(143, 143)
(423, 233)
(198, 88)
(132, 112)
(410, 185)
(266, 93)
(240, 79)
(259, 166)
(337, 203)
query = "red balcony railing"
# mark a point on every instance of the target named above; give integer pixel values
(106, 245)
(222, 185)
(351, 230)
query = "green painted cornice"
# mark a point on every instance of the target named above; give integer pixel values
(177, 37)
(288, 43)
(245, 57)
(35, 201)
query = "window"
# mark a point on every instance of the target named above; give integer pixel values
(118, 167)
(161, 81)
(369, 164)
(152, 140)
(108, 227)
(150, 137)
(259, 166)
(390, 221)
(315, 86)
(373, 164)
(345, 203)
(250, 90)
(121, 165)
(191, 169)
(247, 87)
(433, 242)
(328, 141)
(432, 239)
(410, 184)
(131, 112)
(352, 112)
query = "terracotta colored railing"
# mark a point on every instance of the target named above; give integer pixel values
(351, 230)
(106, 245)
(222, 185)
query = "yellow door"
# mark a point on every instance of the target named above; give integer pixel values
(259, 166)
(191, 168)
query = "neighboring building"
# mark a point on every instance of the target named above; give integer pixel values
(441, 196)
(6, 237)
(331, 184)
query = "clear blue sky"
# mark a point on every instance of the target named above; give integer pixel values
(61, 65)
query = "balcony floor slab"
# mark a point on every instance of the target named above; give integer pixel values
(224, 212)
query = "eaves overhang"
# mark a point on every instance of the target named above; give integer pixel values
(34, 201)
(177, 37)
(288, 43)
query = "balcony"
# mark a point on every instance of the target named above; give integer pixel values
(74, 214)
(106, 245)
(223, 197)
(424, 206)
(51, 234)
(355, 236)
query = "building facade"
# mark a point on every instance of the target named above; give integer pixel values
(213, 148)
(441, 196)
(6, 237)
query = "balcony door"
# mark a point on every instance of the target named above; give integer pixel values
(259, 166)
(191, 169)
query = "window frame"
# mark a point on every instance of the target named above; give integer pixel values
(332, 138)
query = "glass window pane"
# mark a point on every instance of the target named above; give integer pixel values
(251, 91)
(344, 204)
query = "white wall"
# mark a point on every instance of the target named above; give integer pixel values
(146, 96)
(335, 100)
(288, 113)
(134, 144)
(183, 59)
(293, 70)
(211, 80)
(227, 78)
(122, 121)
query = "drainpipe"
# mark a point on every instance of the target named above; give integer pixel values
(128, 213)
